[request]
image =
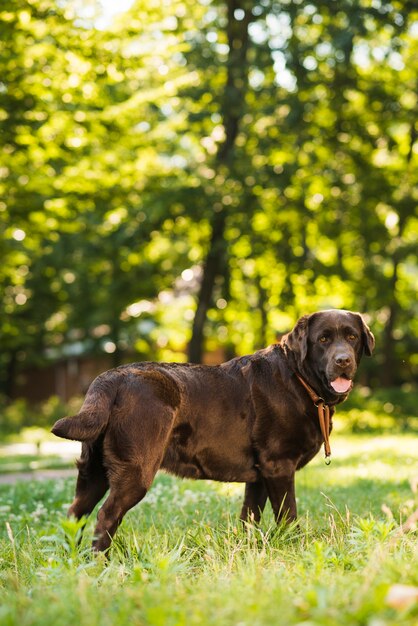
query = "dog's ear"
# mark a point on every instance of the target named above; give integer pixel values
(297, 339)
(367, 336)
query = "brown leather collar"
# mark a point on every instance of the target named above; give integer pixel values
(323, 416)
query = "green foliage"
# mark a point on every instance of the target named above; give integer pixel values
(181, 556)
(383, 410)
(110, 176)
(20, 414)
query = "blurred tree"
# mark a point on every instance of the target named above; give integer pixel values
(28, 50)
(308, 182)
(321, 187)
(231, 110)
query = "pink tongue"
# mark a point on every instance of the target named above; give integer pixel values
(341, 385)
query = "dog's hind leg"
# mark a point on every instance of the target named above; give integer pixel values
(92, 482)
(254, 501)
(133, 457)
(129, 483)
(126, 489)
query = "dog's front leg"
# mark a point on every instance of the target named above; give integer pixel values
(279, 476)
(254, 501)
(281, 493)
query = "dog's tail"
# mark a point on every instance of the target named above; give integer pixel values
(94, 415)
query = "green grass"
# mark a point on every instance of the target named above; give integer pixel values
(32, 462)
(181, 557)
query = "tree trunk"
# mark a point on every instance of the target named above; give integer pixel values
(211, 270)
(9, 380)
(389, 342)
(262, 307)
(232, 108)
(389, 369)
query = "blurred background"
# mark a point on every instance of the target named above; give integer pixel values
(181, 180)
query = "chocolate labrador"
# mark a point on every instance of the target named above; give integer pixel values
(253, 419)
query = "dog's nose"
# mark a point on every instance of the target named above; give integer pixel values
(343, 360)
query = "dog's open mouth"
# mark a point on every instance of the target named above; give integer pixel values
(341, 384)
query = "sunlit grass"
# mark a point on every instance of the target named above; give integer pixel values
(182, 557)
(32, 462)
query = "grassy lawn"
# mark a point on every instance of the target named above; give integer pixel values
(182, 558)
(37, 449)
(32, 462)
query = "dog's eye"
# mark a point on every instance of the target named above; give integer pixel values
(352, 337)
(323, 339)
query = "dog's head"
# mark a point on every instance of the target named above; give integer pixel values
(327, 347)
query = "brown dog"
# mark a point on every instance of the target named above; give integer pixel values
(251, 419)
